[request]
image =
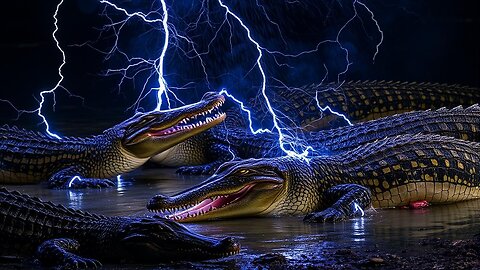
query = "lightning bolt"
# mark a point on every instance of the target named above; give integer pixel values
(162, 89)
(58, 85)
(52, 91)
(276, 125)
(290, 144)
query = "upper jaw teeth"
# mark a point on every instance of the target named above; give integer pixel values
(207, 114)
(185, 124)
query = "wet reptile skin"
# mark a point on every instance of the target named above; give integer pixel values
(366, 100)
(69, 238)
(386, 173)
(205, 152)
(28, 157)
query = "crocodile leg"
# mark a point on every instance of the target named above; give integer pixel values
(349, 200)
(71, 177)
(60, 252)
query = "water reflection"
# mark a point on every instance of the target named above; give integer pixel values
(358, 232)
(75, 198)
(123, 184)
(392, 229)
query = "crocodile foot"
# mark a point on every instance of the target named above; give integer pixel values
(197, 170)
(79, 183)
(76, 262)
(60, 253)
(327, 215)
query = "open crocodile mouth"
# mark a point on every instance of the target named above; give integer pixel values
(188, 123)
(205, 206)
(203, 118)
(186, 212)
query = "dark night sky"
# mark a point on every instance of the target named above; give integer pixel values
(428, 40)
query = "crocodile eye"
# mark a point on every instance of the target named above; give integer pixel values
(147, 119)
(243, 171)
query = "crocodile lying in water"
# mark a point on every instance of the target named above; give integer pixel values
(30, 157)
(203, 153)
(391, 172)
(69, 238)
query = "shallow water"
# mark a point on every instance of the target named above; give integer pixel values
(396, 230)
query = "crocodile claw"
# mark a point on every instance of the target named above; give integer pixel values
(90, 183)
(327, 215)
(196, 170)
(77, 262)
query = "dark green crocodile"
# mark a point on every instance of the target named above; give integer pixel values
(69, 238)
(391, 172)
(364, 100)
(203, 153)
(30, 157)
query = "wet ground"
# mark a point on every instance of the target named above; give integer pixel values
(438, 237)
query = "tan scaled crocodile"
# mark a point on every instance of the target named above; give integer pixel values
(391, 172)
(29, 157)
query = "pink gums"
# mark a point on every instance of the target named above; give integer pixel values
(208, 205)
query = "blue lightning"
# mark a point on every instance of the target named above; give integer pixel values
(75, 178)
(357, 208)
(276, 125)
(163, 90)
(52, 91)
(58, 85)
(327, 108)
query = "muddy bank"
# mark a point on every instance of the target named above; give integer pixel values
(430, 253)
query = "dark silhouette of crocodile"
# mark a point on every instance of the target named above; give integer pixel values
(68, 238)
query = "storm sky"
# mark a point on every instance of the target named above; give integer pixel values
(431, 41)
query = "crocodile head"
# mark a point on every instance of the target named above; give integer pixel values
(155, 239)
(249, 187)
(147, 134)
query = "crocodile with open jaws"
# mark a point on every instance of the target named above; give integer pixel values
(68, 238)
(30, 157)
(391, 172)
(203, 153)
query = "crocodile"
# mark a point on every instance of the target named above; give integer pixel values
(362, 101)
(69, 238)
(391, 172)
(28, 157)
(203, 153)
